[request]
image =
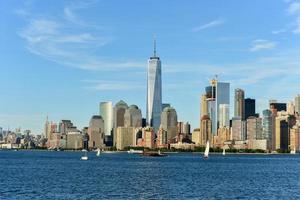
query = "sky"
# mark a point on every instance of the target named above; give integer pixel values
(62, 58)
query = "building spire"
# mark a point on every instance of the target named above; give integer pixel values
(154, 46)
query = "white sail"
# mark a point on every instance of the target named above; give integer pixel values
(206, 150)
(224, 152)
(98, 152)
(293, 151)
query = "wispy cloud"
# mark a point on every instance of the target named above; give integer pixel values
(100, 85)
(258, 45)
(69, 41)
(294, 8)
(279, 31)
(210, 24)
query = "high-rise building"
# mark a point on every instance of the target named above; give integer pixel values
(295, 137)
(165, 105)
(106, 111)
(267, 124)
(217, 93)
(133, 117)
(203, 106)
(169, 122)
(96, 132)
(66, 126)
(154, 91)
(249, 108)
(239, 103)
(275, 106)
(297, 104)
(290, 108)
(125, 137)
(223, 115)
(119, 113)
(238, 130)
(205, 129)
(254, 128)
(283, 124)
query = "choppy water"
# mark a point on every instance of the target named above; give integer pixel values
(62, 175)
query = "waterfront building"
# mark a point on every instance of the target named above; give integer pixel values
(297, 104)
(125, 137)
(290, 108)
(205, 129)
(295, 137)
(162, 138)
(283, 124)
(224, 115)
(154, 91)
(106, 111)
(74, 140)
(203, 106)
(238, 129)
(149, 137)
(169, 122)
(254, 128)
(239, 103)
(249, 108)
(119, 113)
(133, 117)
(267, 125)
(217, 93)
(196, 136)
(186, 129)
(223, 136)
(96, 132)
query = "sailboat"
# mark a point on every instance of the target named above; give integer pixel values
(85, 157)
(98, 152)
(206, 152)
(223, 152)
(293, 151)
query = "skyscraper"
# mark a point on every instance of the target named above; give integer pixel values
(154, 91)
(217, 93)
(249, 108)
(133, 117)
(267, 123)
(106, 111)
(239, 103)
(96, 132)
(297, 104)
(224, 115)
(169, 122)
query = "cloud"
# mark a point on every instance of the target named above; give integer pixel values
(211, 24)
(69, 41)
(258, 45)
(100, 85)
(279, 31)
(294, 8)
(297, 26)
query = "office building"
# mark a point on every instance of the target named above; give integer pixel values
(249, 108)
(125, 137)
(106, 111)
(133, 117)
(223, 115)
(217, 93)
(239, 103)
(254, 128)
(267, 124)
(203, 106)
(205, 129)
(169, 122)
(297, 104)
(154, 91)
(238, 129)
(96, 132)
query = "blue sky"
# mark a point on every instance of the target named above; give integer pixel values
(61, 58)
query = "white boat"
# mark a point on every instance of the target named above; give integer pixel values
(224, 153)
(98, 152)
(293, 151)
(206, 152)
(85, 157)
(132, 151)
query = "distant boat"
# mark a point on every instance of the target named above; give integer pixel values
(132, 151)
(85, 157)
(224, 153)
(98, 152)
(293, 151)
(206, 152)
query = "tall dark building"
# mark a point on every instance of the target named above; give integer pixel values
(249, 108)
(278, 106)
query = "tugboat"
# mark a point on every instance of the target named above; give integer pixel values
(154, 154)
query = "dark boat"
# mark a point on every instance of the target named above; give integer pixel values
(154, 154)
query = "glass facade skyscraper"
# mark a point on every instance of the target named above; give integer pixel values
(249, 108)
(106, 112)
(154, 91)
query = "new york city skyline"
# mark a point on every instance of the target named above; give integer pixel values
(62, 60)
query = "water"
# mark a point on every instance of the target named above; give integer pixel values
(62, 175)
